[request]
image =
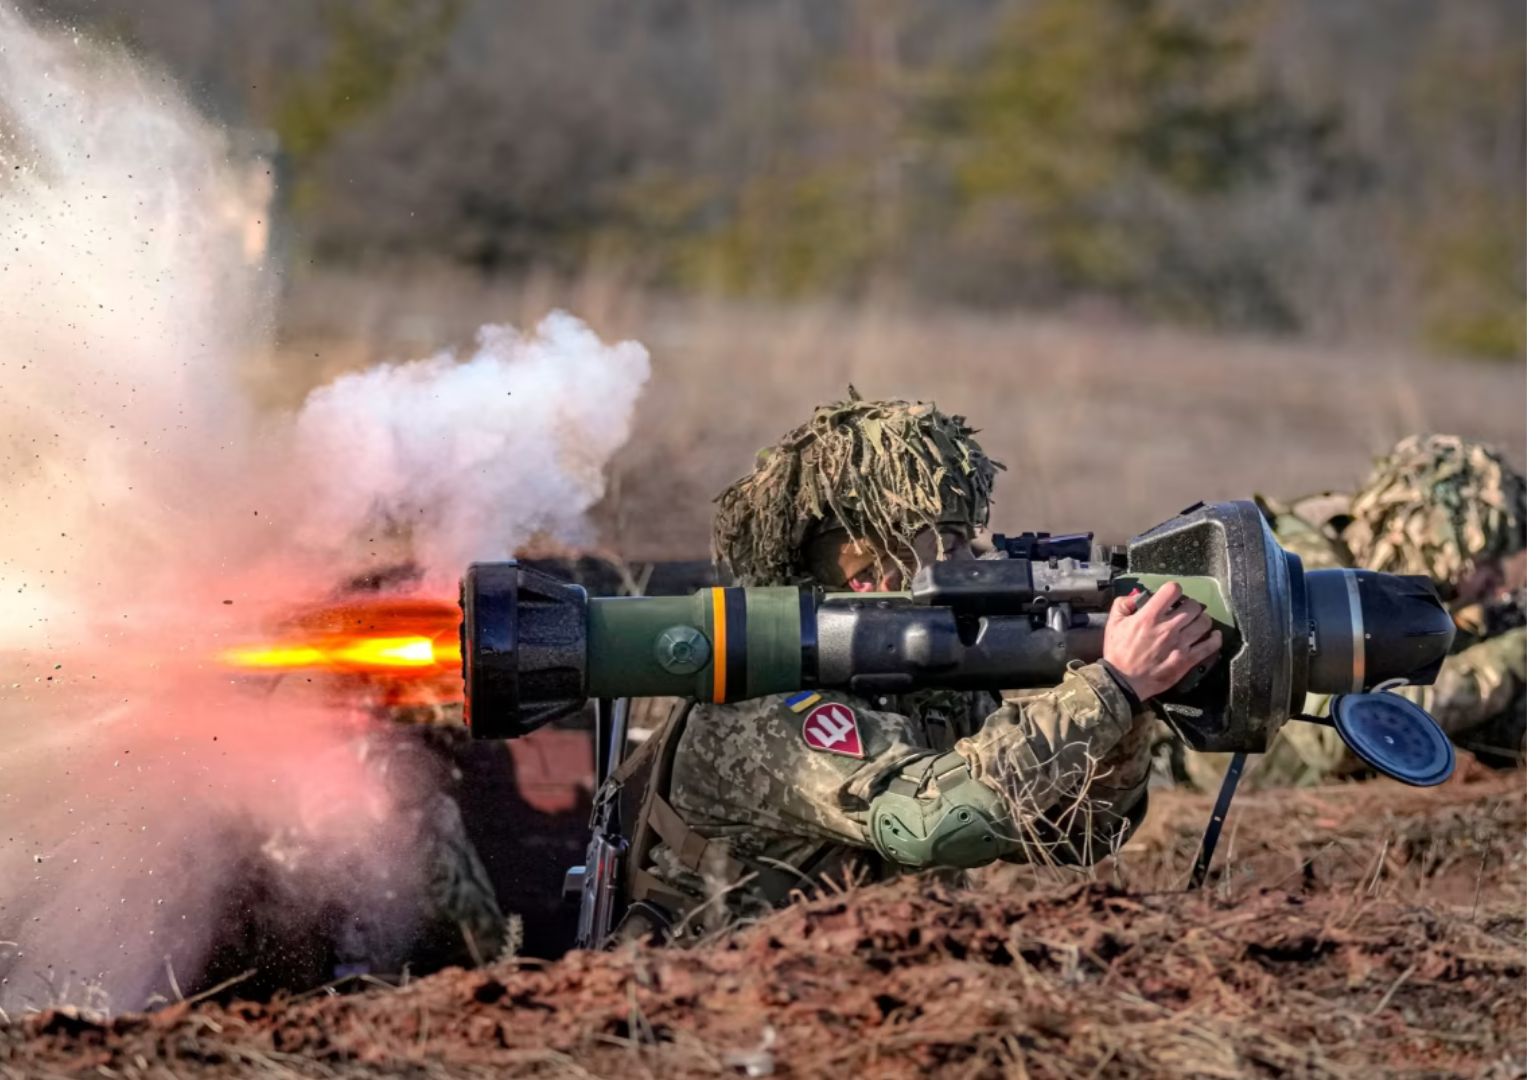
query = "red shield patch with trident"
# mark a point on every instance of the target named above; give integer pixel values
(832, 727)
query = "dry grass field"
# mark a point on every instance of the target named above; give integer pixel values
(1106, 427)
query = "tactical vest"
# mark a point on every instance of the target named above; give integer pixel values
(652, 907)
(642, 784)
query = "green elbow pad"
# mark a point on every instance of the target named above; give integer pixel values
(960, 827)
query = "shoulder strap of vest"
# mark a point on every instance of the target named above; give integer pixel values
(655, 757)
(658, 822)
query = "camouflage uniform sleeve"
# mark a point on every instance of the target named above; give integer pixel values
(1057, 774)
(1072, 764)
(1477, 684)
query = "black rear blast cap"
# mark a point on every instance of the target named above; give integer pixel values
(1410, 633)
(1368, 628)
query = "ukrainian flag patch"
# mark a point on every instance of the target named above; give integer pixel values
(803, 701)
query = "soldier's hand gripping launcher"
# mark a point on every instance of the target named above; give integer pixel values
(535, 648)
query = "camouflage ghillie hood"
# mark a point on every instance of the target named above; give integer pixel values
(1437, 505)
(883, 471)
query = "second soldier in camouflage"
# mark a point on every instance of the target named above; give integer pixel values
(1447, 508)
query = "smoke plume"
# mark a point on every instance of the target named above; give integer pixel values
(153, 516)
(475, 458)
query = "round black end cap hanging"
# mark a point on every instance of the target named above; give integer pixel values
(1395, 737)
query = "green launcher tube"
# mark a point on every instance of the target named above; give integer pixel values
(723, 644)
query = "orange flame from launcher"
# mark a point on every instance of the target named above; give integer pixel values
(407, 648)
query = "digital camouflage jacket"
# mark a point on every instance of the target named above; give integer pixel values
(749, 802)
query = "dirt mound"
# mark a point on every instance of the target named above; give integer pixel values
(1401, 951)
(1460, 843)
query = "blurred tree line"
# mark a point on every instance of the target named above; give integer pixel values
(1300, 166)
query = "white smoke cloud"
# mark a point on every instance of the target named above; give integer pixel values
(151, 517)
(126, 310)
(476, 457)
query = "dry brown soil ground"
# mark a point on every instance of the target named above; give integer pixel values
(1367, 930)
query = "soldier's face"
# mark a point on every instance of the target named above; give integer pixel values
(1491, 577)
(862, 567)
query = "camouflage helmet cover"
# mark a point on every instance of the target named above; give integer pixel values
(1437, 505)
(883, 471)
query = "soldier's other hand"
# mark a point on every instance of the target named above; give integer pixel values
(1153, 647)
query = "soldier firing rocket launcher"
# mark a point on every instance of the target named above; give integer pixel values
(535, 648)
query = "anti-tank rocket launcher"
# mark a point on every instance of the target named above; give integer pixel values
(535, 648)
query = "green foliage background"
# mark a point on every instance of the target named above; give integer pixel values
(1293, 166)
